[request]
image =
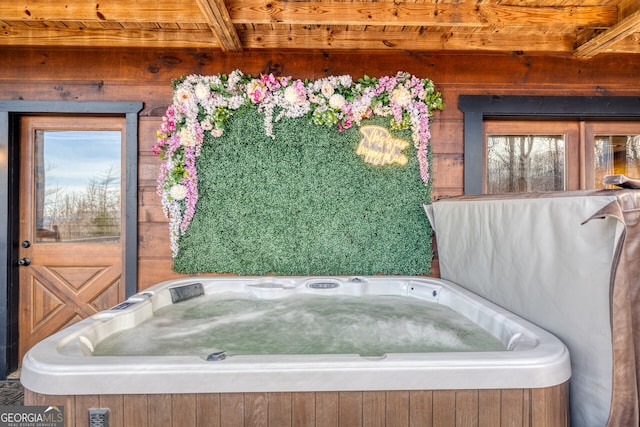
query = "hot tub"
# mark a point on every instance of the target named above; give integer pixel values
(524, 381)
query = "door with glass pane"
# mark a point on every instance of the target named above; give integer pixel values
(71, 238)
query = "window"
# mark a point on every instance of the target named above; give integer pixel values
(615, 150)
(525, 163)
(78, 191)
(529, 156)
(524, 156)
(547, 143)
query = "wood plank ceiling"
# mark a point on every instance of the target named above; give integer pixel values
(583, 28)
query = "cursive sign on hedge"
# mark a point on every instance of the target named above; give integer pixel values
(379, 147)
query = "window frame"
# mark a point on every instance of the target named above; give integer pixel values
(477, 108)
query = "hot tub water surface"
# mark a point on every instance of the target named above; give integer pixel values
(300, 324)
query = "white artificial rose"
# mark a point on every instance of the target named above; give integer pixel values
(401, 96)
(327, 89)
(178, 192)
(336, 101)
(290, 95)
(202, 91)
(182, 95)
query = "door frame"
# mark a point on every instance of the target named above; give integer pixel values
(522, 107)
(10, 113)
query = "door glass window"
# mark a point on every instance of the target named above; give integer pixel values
(616, 155)
(78, 189)
(516, 163)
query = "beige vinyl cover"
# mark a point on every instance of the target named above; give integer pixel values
(568, 262)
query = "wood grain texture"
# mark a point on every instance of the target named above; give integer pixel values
(218, 19)
(607, 40)
(547, 407)
(241, 25)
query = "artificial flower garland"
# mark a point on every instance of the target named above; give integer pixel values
(207, 103)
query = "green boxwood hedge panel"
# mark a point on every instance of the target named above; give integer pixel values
(304, 203)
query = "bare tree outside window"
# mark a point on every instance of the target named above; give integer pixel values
(524, 163)
(78, 186)
(81, 215)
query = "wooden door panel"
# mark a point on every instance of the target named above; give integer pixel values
(68, 278)
(56, 297)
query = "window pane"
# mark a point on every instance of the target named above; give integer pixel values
(616, 154)
(77, 186)
(517, 163)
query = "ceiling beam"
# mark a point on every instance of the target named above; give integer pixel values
(178, 11)
(605, 40)
(329, 38)
(220, 23)
(381, 13)
(400, 13)
(91, 37)
(627, 7)
(277, 39)
(234, 25)
(217, 15)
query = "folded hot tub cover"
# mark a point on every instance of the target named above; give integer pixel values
(569, 262)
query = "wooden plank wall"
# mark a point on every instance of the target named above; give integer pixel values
(145, 75)
(545, 407)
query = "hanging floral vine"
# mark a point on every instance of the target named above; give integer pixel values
(204, 104)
